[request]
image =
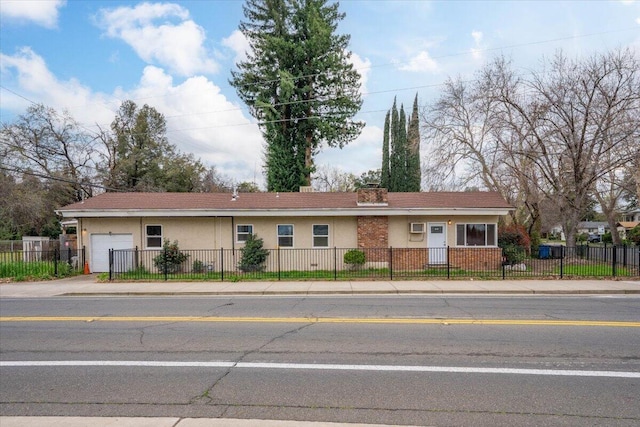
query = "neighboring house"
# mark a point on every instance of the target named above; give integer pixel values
(371, 218)
(624, 227)
(592, 227)
(631, 216)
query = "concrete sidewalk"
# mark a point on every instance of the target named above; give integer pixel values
(88, 285)
(160, 422)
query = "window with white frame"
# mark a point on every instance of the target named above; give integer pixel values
(320, 235)
(243, 231)
(153, 236)
(476, 234)
(285, 235)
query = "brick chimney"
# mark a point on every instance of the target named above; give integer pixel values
(372, 197)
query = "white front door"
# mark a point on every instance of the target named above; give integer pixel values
(437, 242)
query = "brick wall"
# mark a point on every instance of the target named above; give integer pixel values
(373, 232)
(476, 258)
(410, 258)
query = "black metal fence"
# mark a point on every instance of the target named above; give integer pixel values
(41, 264)
(376, 263)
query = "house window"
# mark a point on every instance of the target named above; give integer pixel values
(243, 232)
(321, 236)
(285, 236)
(476, 234)
(154, 236)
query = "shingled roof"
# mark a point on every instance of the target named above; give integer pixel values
(310, 201)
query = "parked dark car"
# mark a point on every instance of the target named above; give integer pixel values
(594, 238)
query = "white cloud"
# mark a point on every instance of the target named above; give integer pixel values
(200, 120)
(361, 155)
(362, 66)
(29, 73)
(420, 63)
(239, 44)
(476, 51)
(177, 43)
(41, 12)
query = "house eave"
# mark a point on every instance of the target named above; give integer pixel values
(361, 211)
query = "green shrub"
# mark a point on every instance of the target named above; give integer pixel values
(253, 254)
(354, 257)
(634, 235)
(515, 243)
(170, 259)
(513, 254)
(607, 238)
(197, 266)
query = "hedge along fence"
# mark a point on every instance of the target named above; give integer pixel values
(379, 263)
(41, 265)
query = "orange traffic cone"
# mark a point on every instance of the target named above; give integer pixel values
(86, 268)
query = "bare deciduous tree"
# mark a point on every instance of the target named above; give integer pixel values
(51, 144)
(553, 134)
(331, 179)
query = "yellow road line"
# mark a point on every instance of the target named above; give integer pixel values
(403, 321)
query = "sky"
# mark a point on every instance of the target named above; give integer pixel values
(87, 57)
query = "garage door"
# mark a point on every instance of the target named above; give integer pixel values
(100, 245)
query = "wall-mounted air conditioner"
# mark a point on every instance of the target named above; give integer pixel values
(417, 227)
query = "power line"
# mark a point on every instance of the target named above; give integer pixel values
(317, 74)
(449, 55)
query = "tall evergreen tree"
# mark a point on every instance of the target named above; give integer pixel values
(298, 82)
(401, 150)
(393, 148)
(414, 177)
(385, 172)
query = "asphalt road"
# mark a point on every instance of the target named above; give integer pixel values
(392, 360)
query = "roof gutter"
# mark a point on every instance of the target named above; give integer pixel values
(362, 211)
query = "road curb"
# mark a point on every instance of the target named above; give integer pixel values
(399, 292)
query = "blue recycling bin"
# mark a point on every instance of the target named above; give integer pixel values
(544, 252)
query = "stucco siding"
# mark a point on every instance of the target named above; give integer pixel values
(342, 231)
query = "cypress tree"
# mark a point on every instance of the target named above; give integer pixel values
(385, 171)
(401, 150)
(393, 146)
(413, 141)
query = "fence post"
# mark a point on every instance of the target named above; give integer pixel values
(110, 264)
(561, 261)
(624, 255)
(448, 262)
(278, 262)
(613, 260)
(69, 256)
(335, 263)
(222, 264)
(165, 258)
(390, 263)
(56, 254)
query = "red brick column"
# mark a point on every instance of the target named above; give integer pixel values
(373, 233)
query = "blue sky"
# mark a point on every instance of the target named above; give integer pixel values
(89, 56)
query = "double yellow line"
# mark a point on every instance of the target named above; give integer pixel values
(312, 320)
